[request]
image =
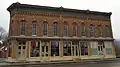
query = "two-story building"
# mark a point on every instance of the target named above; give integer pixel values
(55, 33)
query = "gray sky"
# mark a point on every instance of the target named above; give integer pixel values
(93, 5)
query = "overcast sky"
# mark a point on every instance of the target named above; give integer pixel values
(93, 5)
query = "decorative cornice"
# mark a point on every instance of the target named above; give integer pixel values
(49, 14)
(56, 9)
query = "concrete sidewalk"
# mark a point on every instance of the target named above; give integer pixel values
(80, 61)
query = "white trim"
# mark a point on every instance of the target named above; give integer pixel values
(22, 35)
(61, 37)
(34, 35)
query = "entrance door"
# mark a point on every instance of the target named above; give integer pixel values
(21, 52)
(75, 49)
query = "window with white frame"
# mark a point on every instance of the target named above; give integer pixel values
(83, 31)
(99, 31)
(23, 28)
(55, 25)
(65, 30)
(74, 29)
(45, 28)
(91, 30)
(107, 29)
(34, 31)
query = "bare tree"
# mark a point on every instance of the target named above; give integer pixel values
(3, 34)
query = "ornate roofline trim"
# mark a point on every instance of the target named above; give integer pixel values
(17, 5)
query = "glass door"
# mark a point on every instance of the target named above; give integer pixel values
(75, 49)
(21, 52)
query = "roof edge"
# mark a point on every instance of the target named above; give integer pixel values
(18, 5)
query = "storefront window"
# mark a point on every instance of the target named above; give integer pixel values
(101, 47)
(35, 49)
(54, 48)
(94, 48)
(44, 48)
(84, 48)
(67, 48)
(108, 47)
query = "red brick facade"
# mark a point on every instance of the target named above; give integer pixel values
(20, 13)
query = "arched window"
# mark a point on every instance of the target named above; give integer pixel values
(45, 28)
(91, 30)
(74, 29)
(99, 31)
(65, 30)
(23, 27)
(34, 31)
(83, 29)
(55, 25)
(107, 29)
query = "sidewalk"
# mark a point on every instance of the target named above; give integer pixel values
(87, 61)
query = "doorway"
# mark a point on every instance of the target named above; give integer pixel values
(21, 51)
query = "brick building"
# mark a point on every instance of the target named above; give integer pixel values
(55, 33)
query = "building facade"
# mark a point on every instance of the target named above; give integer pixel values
(55, 33)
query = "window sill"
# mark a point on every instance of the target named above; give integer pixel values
(83, 36)
(22, 35)
(74, 36)
(34, 35)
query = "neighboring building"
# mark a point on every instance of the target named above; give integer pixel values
(55, 33)
(3, 51)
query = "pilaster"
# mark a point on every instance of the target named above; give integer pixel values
(61, 48)
(28, 49)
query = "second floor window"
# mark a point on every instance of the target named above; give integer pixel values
(65, 30)
(34, 28)
(99, 31)
(91, 30)
(45, 30)
(83, 29)
(23, 28)
(107, 29)
(74, 29)
(55, 25)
